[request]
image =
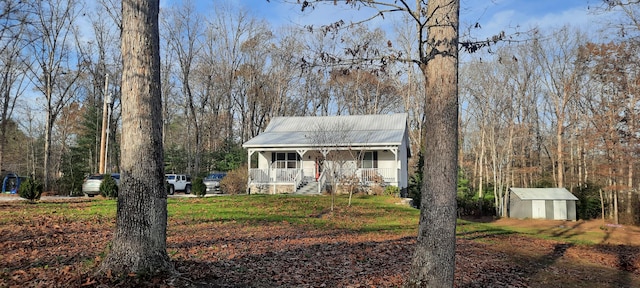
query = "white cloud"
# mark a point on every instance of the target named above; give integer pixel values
(514, 16)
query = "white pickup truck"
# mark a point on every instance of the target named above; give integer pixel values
(178, 182)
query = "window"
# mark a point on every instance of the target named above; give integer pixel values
(285, 159)
(370, 159)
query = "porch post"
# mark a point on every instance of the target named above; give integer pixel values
(324, 153)
(398, 168)
(301, 153)
(249, 154)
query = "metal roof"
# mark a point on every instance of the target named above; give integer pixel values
(317, 131)
(543, 193)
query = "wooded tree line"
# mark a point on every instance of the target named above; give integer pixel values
(556, 110)
(559, 111)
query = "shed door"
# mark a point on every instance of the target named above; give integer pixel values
(559, 210)
(537, 209)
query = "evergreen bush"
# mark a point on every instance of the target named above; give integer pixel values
(588, 205)
(30, 189)
(392, 191)
(198, 188)
(109, 187)
(167, 187)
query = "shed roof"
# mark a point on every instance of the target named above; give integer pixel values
(543, 194)
(352, 130)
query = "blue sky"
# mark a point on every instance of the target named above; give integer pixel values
(499, 15)
(492, 15)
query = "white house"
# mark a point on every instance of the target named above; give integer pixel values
(301, 154)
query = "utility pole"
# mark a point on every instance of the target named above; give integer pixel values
(106, 149)
(103, 135)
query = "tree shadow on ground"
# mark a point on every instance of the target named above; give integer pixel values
(337, 262)
(626, 258)
(563, 230)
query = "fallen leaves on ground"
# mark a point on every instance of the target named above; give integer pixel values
(54, 251)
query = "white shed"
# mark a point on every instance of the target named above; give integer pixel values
(541, 203)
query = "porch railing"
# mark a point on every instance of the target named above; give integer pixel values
(286, 174)
(277, 175)
(259, 176)
(298, 179)
(369, 175)
(295, 175)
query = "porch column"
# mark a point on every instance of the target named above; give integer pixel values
(398, 168)
(301, 153)
(249, 154)
(324, 153)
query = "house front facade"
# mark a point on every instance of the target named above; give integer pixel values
(308, 155)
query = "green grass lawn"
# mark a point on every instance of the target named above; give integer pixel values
(366, 214)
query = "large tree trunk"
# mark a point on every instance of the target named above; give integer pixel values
(139, 243)
(433, 262)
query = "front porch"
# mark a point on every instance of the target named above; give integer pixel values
(298, 180)
(309, 171)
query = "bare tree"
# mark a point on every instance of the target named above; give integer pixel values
(363, 87)
(12, 65)
(501, 92)
(34, 131)
(139, 243)
(626, 20)
(333, 139)
(611, 107)
(13, 19)
(102, 59)
(228, 28)
(556, 58)
(56, 69)
(284, 81)
(253, 100)
(183, 31)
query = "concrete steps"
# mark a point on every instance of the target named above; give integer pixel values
(307, 188)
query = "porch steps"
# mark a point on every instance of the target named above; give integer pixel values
(308, 188)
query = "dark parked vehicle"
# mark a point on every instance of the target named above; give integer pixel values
(212, 182)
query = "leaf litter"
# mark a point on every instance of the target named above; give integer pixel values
(51, 250)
